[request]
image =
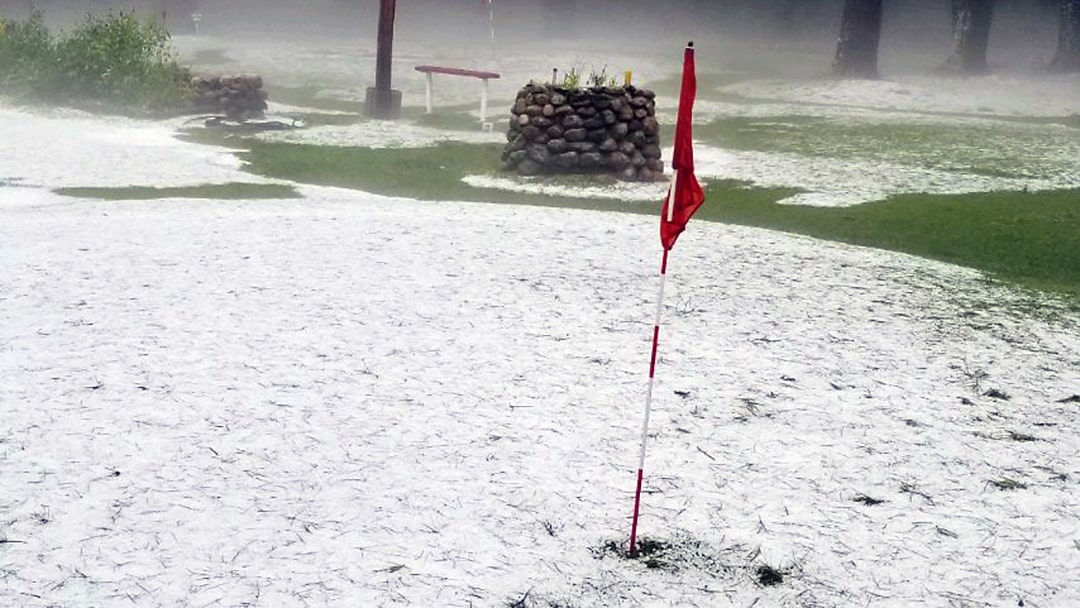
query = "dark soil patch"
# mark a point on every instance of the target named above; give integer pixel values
(528, 600)
(1018, 436)
(681, 553)
(649, 551)
(767, 576)
(867, 500)
(1008, 484)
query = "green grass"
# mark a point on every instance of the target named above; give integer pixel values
(233, 190)
(1072, 121)
(670, 86)
(209, 57)
(454, 118)
(1032, 239)
(316, 119)
(707, 85)
(451, 118)
(313, 97)
(432, 173)
(1004, 150)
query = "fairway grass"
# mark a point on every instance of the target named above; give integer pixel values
(1031, 239)
(431, 173)
(1000, 149)
(231, 191)
(313, 97)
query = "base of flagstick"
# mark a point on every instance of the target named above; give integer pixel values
(648, 404)
(637, 506)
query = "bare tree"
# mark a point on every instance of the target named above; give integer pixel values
(857, 45)
(1067, 58)
(971, 35)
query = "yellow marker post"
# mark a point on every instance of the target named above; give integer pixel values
(627, 77)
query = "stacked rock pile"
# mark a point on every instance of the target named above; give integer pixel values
(588, 130)
(237, 97)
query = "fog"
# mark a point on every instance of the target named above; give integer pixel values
(915, 34)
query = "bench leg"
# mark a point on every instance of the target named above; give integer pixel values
(483, 101)
(427, 92)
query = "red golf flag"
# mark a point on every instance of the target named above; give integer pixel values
(684, 195)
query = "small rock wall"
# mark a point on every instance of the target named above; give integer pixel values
(591, 130)
(237, 97)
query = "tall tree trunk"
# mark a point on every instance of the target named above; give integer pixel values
(971, 35)
(1067, 58)
(857, 45)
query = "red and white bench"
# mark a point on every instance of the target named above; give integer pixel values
(430, 70)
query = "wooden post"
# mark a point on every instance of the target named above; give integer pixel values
(382, 101)
(385, 53)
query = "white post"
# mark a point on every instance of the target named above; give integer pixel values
(483, 100)
(652, 372)
(427, 91)
(648, 406)
(671, 195)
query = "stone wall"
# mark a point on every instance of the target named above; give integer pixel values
(590, 130)
(237, 97)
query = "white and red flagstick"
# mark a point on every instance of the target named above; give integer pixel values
(684, 198)
(648, 405)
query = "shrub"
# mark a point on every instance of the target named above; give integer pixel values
(26, 52)
(116, 59)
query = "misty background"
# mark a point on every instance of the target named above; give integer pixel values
(915, 33)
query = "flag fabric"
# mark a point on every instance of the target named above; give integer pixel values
(684, 195)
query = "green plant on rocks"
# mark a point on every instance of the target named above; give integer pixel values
(575, 78)
(572, 78)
